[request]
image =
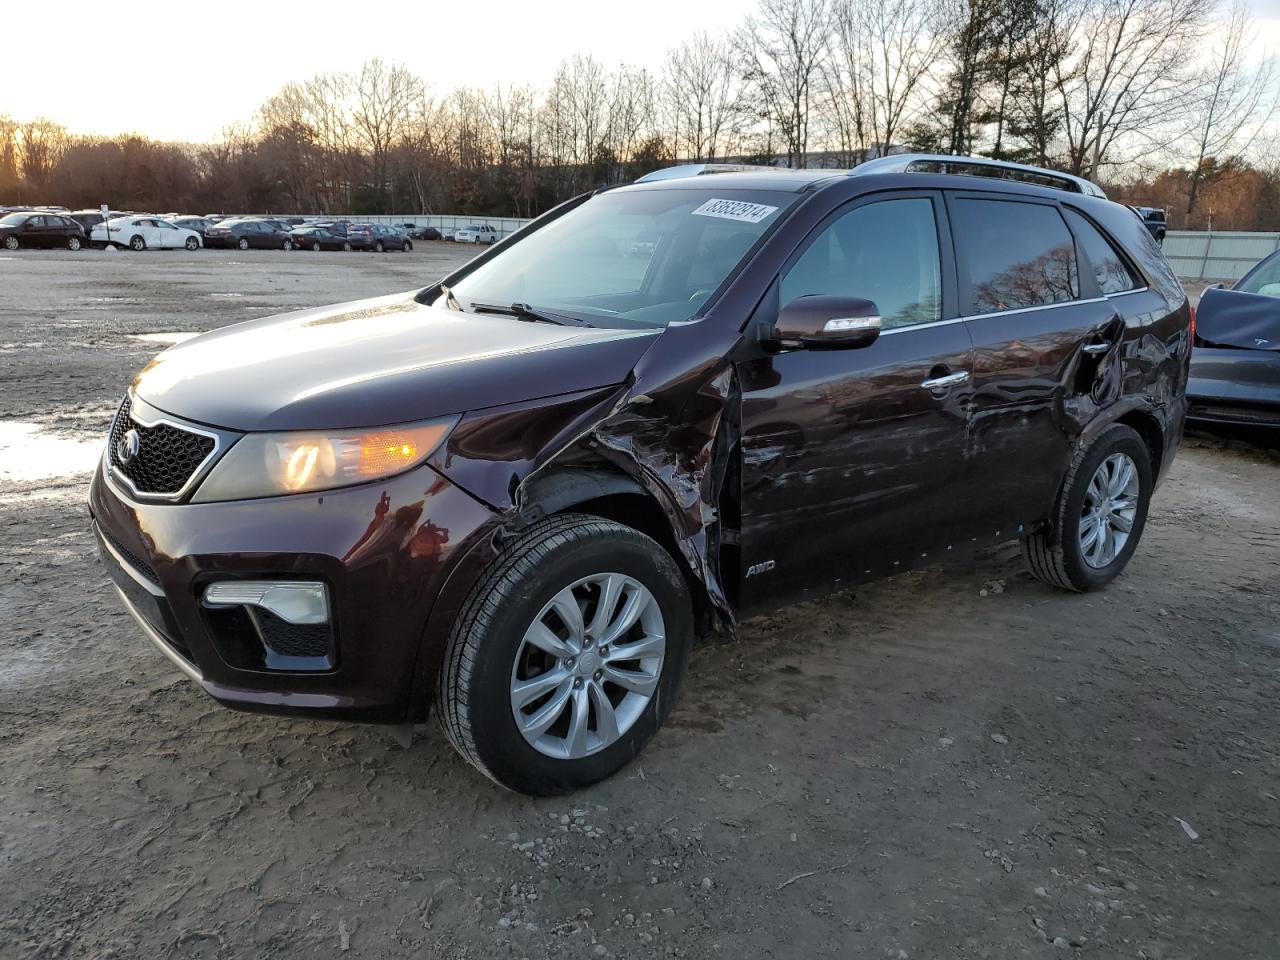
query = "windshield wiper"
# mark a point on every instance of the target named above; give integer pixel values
(449, 299)
(523, 311)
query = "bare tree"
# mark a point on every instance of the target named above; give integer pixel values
(886, 53)
(1130, 84)
(701, 96)
(1239, 100)
(384, 97)
(784, 49)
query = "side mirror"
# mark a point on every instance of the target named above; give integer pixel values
(828, 323)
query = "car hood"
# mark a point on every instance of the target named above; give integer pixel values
(380, 361)
(1232, 318)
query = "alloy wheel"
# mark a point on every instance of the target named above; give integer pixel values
(588, 665)
(1110, 507)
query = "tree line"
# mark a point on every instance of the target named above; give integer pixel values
(1166, 101)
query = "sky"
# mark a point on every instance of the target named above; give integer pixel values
(183, 71)
(177, 71)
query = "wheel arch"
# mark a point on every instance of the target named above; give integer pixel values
(1152, 434)
(610, 494)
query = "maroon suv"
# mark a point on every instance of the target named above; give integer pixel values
(520, 493)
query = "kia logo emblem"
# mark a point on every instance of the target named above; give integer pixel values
(127, 447)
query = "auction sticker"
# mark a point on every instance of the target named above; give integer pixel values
(734, 210)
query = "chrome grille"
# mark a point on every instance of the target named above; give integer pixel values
(167, 457)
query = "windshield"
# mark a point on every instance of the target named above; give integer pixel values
(629, 258)
(1263, 279)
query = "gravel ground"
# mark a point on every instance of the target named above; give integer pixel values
(953, 763)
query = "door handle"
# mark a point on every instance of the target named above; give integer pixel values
(1096, 349)
(943, 382)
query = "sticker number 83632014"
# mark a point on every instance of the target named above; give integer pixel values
(734, 210)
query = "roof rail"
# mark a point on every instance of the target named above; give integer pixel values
(978, 167)
(701, 169)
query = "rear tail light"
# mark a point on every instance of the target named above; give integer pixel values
(1193, 323)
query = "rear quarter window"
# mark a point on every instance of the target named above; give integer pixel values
(1017, 254)
(1109, 267)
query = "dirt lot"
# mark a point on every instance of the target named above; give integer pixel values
(954, 763)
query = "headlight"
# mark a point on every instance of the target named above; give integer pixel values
(271, 464)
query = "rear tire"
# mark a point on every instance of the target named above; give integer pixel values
(489, 655)
(136, 243)
(1071, 552)
(243, 243)
(346, 248)
(378, 247)
(408, 247)
(287, 245)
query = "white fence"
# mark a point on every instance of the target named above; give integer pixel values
(504, 225)
(1217, 254)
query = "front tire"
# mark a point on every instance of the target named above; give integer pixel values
(73, 243)
(378, 247)
(11, 242)
(1099, 517)
(287, 245)
(192, 243)
(346, 248)
(567, 655)
(243, 243)
(408, 247)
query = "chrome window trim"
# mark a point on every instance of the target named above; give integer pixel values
(1000, 313)
(197, 474)
(1125, 293)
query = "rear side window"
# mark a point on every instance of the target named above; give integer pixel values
(1113, 274)
(1018, 254)
(886, 252)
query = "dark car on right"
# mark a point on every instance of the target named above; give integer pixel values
(246, 234)
(1235, 369)
(29, 229)
(377, 237)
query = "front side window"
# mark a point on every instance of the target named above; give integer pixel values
(1263, 279)
(1018, 254)
(632, 257)
(886, 252)
(1112, 273)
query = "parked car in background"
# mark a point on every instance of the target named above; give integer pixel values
(477, 233)
(1153, 219)
(88, 219)
(248, 233)
(521, 492)
(377, 237)
(142, 233)
(1235, 369)
(318, 238)
(448, 233)
(421, 233)
(333, 226)
(18, 230)
(198, 224)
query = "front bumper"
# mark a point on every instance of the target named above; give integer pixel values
(1238, 386)
(383, 550)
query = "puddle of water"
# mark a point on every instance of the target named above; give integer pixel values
(27, 452)
(166, 338)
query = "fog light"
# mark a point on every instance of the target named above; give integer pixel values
(295, 601)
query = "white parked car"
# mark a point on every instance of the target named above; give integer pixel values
(141, 233)
(477, 233)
